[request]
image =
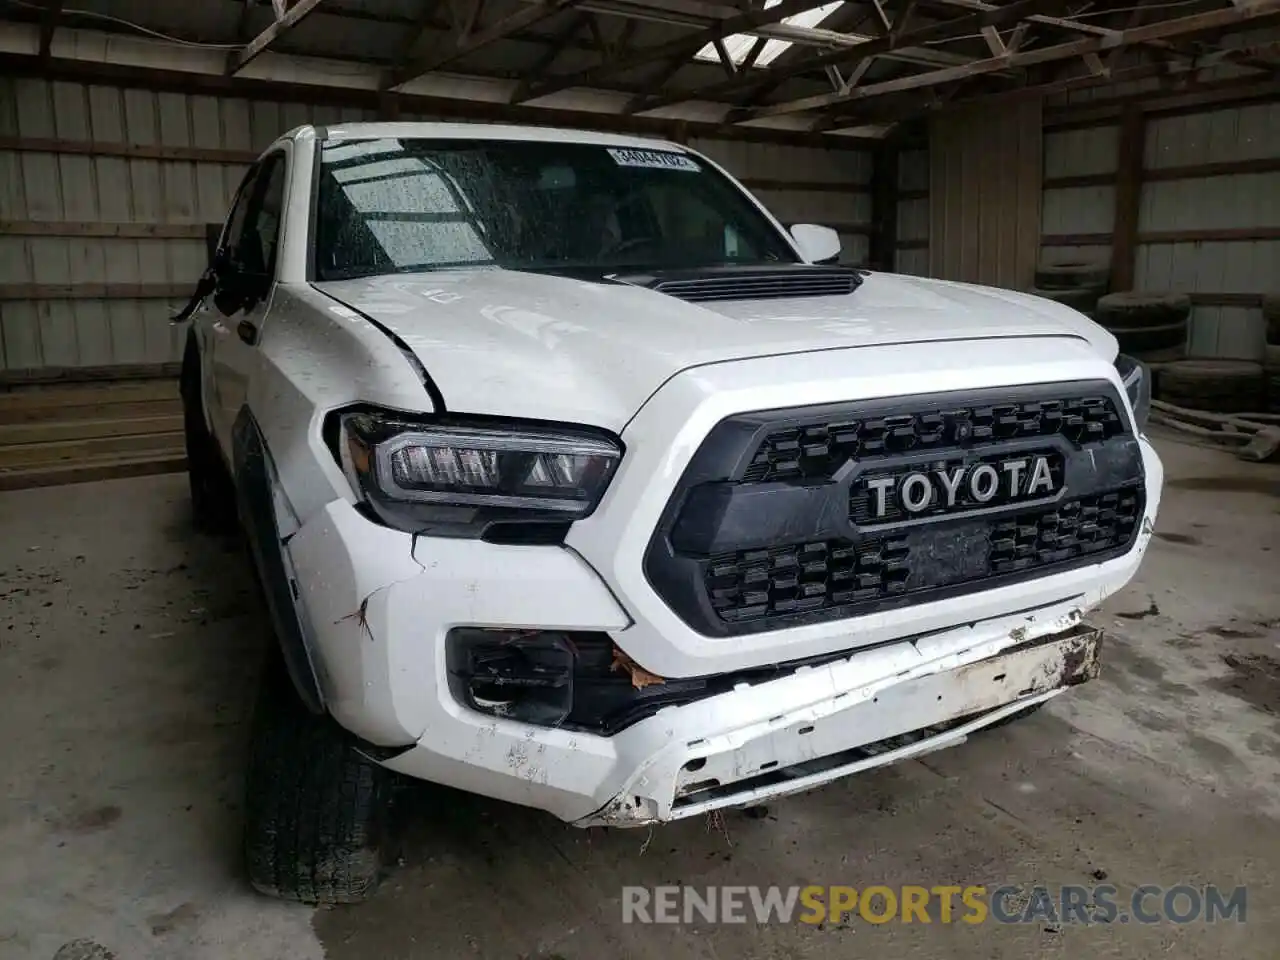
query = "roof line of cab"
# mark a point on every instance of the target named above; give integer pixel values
(364, 130)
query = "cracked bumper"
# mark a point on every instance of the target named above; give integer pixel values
(380, 607)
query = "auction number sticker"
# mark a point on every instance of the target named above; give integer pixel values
(653, 158)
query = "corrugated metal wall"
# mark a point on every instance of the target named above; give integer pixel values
(1235, 202)
(80, 163)
(1212, 231)
(912, 232)
(805, 185)
(1080, 210)
(104, 193)
(985, 194)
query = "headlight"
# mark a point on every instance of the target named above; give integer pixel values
(454, 479)
(1137, 384)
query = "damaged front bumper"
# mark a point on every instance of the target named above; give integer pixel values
(380, 606)
(855, 730)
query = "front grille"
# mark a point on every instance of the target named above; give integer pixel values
(813, 451)
(840, 574)
(805, 515)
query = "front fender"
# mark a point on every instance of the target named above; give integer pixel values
(256, 486)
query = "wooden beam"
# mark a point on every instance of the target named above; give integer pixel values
(96, 291)
(725, 60)
(899, 28)
(1211, 235)
(884, 208)
(48, 24)
(1180, 26)
(669, 70)
(994, 42)
(886, 25)
(1128, 201)
(682, 48)
(1062, 23)
(1075, 240)
(1235, 91)
(1079, 180)
(513, 23)
(1096, 66)
(131, 151)
(135, 231)
(1194, 171)
(563, 37)
(804, 186)
(26, 376)
(424, 21)
(268, 36)
(1206, 235)
(1253, 300)
(1102, 112)
(775, 75)
(274, 91)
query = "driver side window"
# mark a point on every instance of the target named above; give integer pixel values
(254, 249)
(247, 259)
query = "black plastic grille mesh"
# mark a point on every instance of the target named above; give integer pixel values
(815, 451)
(799, 578)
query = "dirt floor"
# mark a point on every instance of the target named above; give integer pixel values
(128, 649)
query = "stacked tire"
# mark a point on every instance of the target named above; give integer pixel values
(1149, 326)
(1271, 314)
(1077, 285)
(1215, 386)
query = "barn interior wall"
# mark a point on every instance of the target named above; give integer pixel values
(984, 194)
(1208, 217)
(1208, 207)
(105, 193)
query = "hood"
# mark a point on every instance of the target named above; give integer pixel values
(545, 347)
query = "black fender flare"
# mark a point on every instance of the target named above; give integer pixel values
(255, 481)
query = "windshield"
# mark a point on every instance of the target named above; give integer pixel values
(406, 205)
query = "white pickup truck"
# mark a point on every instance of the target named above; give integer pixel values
(574, 479)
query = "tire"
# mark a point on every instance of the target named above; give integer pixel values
(213, 499)
(1070, 276)
(1160, 357)
(1216, 386)
(317, 811)
(1123, 311)
(1140, 340)
(1084, 299)
(1271, 314)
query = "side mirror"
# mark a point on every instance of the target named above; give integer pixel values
(239, 289)
(817, 244)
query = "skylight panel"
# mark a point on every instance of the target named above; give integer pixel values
(738, 45)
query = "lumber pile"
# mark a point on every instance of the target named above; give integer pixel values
(54, 433)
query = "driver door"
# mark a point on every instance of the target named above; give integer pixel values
(249, 256)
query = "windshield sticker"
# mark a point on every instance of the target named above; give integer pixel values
(653, 158)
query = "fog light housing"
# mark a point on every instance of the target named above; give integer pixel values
(521, 675)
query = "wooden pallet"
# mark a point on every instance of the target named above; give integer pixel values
(59, 432)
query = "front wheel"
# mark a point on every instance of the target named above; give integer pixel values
(317, 810)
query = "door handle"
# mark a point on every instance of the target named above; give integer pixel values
(247, 331)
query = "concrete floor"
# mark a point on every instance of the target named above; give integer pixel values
(128, 648)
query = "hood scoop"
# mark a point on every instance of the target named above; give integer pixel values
(749, 283)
